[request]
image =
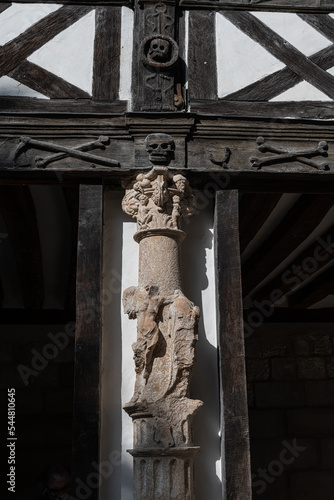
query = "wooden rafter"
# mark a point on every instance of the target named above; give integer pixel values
(309, 262)
(297, 225)
(254, 211)
(295, 60)
(317, 290)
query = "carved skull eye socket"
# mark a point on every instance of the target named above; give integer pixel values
(164, 146)
(154, 146)
(162, 47)
(155, 46)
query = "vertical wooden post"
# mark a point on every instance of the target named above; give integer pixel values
(234, 413)
(86, 409)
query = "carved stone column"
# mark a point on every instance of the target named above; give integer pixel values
(166, 332)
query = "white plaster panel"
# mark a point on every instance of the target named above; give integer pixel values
(70, 54)
(240, 60)
(11, 87)
(295, 31)
(19, 17)
(126, 54)
(303, 91)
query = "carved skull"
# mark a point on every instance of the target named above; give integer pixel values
(158, 50)
(160, 147)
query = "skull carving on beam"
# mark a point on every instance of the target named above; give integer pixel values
(159, 50)
(160, 148)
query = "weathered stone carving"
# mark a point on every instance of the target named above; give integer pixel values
(283, 155)
(160, 407)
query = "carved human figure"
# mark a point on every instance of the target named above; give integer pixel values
(143, 304)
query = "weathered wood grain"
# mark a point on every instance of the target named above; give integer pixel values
(30, 105)
(18, 211)
(107, 51)
(265, 5)
(273, 85)
(283, 50)
(269, 110)
(297, 225)
(46, 83)
(254, 210)
(86, 404)
(71, 195)
(234, 418)
(202, 66)
(18, 49)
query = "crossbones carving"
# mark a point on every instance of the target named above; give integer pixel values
(283, 155)
(61, 152)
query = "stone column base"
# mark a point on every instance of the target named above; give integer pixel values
(163, 474)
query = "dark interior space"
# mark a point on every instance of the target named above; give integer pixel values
(37, 270)
(287, 263)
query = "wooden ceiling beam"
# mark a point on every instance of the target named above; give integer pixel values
(310, 261)
(314, 292)
(297, 225)
(254, 210)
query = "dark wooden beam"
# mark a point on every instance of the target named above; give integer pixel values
(297, 225)
(202, 55)
(17, 50)
(321, 22)
(107, 52)
(315, 291)
(71, 195)
(254, 210)
(18, 211)
(234, 412)
(283, 50)
(86, 404)
(46, 83)
(4, 6)
(268, 110)
(262, 5)
(317, 255)
(37, 106)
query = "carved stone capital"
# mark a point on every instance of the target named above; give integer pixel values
(159, 199)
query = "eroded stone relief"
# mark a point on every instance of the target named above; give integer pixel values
(160, 407)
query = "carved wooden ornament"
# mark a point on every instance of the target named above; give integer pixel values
(166, 331)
